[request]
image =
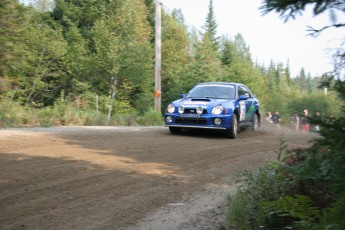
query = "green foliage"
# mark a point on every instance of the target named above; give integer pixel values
(206, 65)
(124, 120)
(12, 114)
(326, 105)
(175, 43)
(12, 18)
(244, 213)
(333, 216)
(245, 209)
(33, 67)
(67, 113)
(151, 118)
(306, 186)
(299, 209)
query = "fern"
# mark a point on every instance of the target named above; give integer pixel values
(299, 207)
(333, 217)
(282, 151)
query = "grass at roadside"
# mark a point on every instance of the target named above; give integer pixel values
(15, 115)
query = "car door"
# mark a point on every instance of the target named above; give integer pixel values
(247, 107)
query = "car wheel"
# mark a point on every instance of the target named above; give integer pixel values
(232, 132)
(174, 130)
(255, 124)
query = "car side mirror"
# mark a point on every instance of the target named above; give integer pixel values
(182, 95)
(243, 97)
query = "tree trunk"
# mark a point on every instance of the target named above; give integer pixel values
(113, 92)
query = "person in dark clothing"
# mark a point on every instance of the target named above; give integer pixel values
(276, 119)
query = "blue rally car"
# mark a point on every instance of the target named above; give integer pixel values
(214, 105)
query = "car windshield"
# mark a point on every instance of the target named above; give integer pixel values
(213, 91)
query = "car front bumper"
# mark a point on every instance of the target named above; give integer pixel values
(198, 121)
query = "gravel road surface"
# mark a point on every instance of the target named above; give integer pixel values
(130, 178)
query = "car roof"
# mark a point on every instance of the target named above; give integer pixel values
(220, 83)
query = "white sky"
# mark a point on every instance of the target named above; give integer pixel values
(268, 37)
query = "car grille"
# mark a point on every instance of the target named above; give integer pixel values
(193, 111)
(193, 121)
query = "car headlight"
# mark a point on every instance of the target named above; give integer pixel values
(171, 108)
(199, 110)
(217, 121)
(217, 110)
(168, 119)
(181, 109)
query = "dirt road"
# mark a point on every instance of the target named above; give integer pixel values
(125, 177)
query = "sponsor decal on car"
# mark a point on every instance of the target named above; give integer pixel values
(242, 110)
(250, 111)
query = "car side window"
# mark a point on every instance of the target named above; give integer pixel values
(244, 91)
(239, 92)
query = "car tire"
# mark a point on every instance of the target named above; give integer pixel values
(174, 130)
(255, 124)
(232, 132)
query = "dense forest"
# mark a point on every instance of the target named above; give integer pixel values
(92, 62)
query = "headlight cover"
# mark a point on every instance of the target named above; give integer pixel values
(171, 108)
(217, 110)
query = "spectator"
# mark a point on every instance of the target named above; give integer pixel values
(305, 121)
(295, 122)
(268, 117)
(276, 119)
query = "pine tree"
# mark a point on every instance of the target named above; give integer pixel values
(302, 80)
(210, 28)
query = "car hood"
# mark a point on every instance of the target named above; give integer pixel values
(196, 102)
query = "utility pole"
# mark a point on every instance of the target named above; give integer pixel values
(158, 56)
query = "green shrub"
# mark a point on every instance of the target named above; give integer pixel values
(304, 190)
(94, 119)
(151, 118)
(124, 119)
(245, 208)
(13, 114)
(47, 117)
(243, 211)
(65, 112)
